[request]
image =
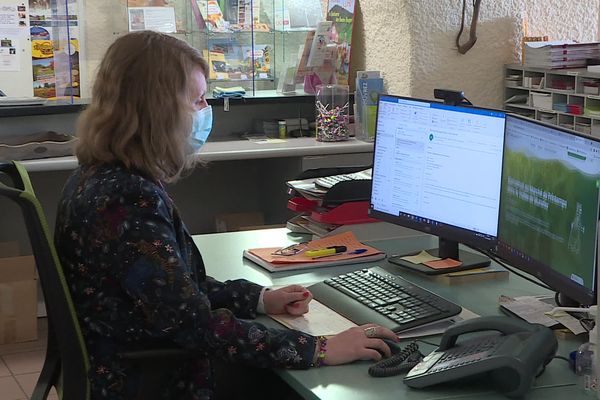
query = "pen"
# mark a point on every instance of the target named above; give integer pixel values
(325, 252)
(358, 251)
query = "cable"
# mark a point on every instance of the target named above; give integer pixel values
(544, 367)
(511, 269)
(467, 101)
(398, 363)
(562, 358)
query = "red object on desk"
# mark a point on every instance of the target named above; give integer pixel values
(301, 204)
(353, 212)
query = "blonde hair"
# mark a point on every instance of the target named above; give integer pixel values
(142, 104)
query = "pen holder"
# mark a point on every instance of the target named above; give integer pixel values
(332, 113)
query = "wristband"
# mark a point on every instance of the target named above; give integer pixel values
(320, 350)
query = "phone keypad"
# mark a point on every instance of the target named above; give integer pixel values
(467, 354)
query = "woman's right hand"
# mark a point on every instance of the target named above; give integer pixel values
(359, 343)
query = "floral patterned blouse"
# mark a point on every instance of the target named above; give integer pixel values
(138, 282)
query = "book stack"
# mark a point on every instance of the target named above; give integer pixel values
(560, 54)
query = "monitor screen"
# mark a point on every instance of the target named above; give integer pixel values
(549, 205)
(437, 168)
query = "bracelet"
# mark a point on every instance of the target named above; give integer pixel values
(319, 358)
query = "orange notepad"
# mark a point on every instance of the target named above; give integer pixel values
(272, 262)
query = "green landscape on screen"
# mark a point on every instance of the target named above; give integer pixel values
(555, 236)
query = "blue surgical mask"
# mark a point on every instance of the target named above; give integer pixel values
(201, 126)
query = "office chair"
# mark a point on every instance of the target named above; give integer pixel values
(66, 364)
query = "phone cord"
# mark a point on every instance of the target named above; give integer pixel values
(398, 363)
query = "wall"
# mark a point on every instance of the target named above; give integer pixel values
(413, 42)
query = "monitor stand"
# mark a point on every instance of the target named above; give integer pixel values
(447, 249)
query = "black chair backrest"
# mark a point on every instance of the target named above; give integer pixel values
(64, 330)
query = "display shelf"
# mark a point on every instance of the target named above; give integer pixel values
(551, 94)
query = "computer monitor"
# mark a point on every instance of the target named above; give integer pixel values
(549, 206)
(437, 168)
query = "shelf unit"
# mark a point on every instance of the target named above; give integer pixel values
(565, 97)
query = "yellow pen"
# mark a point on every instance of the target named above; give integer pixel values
(325, 252)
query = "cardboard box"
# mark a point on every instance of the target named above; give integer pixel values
(238, 221)
(18, 298)
(541, 100)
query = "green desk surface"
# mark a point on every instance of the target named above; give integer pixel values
(222, 254)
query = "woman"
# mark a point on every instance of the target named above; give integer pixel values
(135, 275)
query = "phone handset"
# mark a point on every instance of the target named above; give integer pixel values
(504, 325)
(511, 359)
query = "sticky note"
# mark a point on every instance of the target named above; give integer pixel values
(420, 258)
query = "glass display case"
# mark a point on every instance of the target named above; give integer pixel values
(247, 43)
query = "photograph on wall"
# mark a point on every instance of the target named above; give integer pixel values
(43, 78)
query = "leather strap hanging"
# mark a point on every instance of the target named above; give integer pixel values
(463, 48)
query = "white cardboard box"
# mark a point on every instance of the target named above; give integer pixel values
(541, 100)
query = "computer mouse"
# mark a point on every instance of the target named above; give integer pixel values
(394, 347)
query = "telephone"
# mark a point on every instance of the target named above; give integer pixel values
(512, 357)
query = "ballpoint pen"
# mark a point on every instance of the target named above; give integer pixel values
(327, 251)
(358, 251)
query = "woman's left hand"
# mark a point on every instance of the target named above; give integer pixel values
(291, 299)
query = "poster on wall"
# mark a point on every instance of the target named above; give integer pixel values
(9, 59)
(55, 49)
(161, 19)
(13, 27)
(341, 13)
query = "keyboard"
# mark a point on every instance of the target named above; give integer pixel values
(329, 181)
(375, 296)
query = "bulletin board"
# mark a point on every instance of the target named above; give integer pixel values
(15, 49)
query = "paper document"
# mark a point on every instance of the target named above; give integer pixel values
(323, 321)
(533, 309)
(320, 320)
(437, 327)
(420, 258)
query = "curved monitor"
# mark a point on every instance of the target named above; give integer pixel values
(437, 168)
(549, 205)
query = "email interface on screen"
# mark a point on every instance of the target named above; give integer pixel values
(549, 202)
(438, 164)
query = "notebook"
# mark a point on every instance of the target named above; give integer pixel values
(356, 252)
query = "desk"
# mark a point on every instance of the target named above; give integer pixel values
(222, 254)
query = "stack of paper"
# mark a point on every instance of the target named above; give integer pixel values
(560, 54)
(235, 92)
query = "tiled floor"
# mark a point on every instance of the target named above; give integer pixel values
(20, 365)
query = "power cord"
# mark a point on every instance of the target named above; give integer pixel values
(548, 362)
(398, 363)
(511, 269)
